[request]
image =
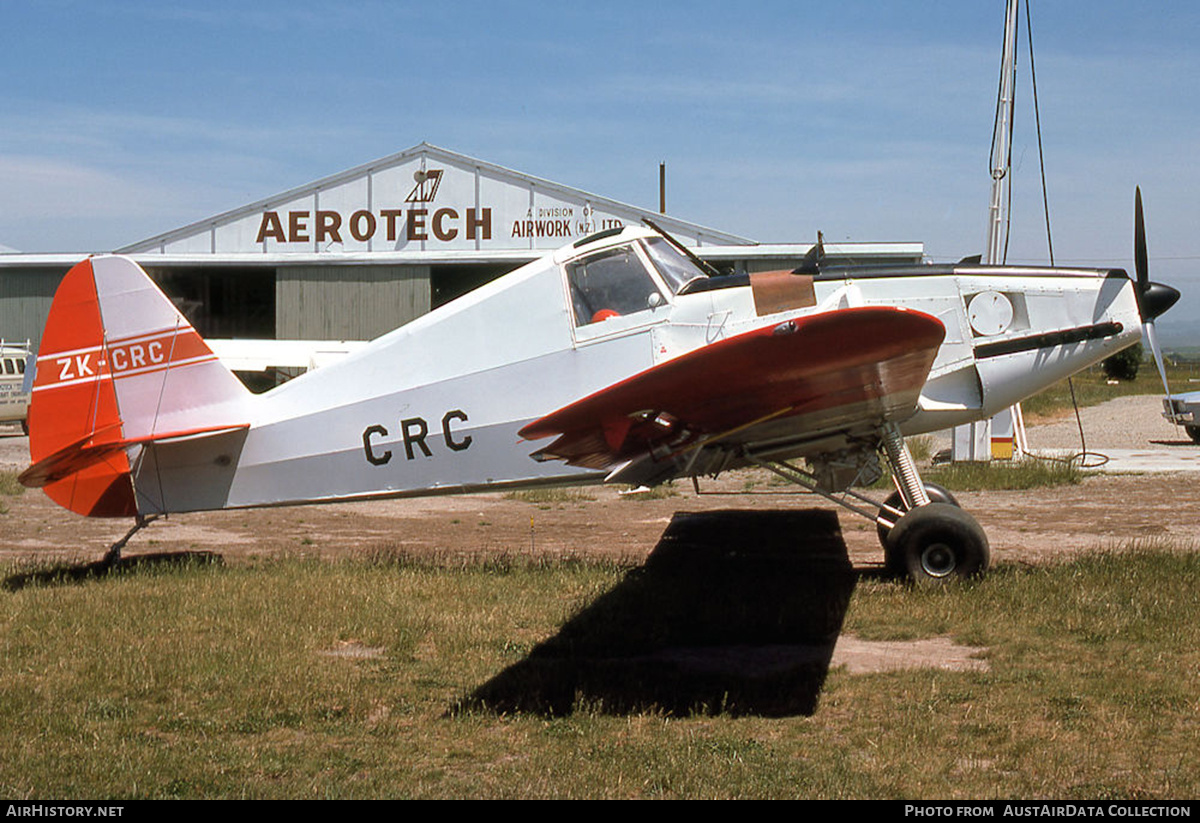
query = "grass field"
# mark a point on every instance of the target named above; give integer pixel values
(294, 679)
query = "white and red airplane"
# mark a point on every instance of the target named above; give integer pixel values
(617, 358)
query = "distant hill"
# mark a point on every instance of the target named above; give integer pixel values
(1180, 354)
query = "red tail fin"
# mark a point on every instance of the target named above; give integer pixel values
(118, 366)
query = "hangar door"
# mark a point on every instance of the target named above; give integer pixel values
(223, 302)
(347, 302)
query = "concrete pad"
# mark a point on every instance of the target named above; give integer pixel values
(1152, 460)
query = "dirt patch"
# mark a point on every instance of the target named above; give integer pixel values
(866, 656)
(353, 650)
(1026, 527)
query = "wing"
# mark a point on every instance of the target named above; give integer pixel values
(801, 379)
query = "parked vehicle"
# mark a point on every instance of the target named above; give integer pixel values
(15, 362)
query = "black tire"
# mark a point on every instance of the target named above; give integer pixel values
(1193, 432)
(937, 543)
(937, 494)
(25, 427)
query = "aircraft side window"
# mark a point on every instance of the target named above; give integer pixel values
(609, 284)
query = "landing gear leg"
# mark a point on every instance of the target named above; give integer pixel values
(925, 535)
(930, 541)
(114, 551)
(904, 468)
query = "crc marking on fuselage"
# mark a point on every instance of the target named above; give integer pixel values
(413, 432)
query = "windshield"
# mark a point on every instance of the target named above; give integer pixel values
(671, 263)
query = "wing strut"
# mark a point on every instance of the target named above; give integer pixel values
(808, 481)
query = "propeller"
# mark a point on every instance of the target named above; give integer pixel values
(1152, 298)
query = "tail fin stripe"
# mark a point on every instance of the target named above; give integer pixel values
(141, 355)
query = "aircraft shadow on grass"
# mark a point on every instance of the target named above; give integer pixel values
(75, 573)
(734, 612)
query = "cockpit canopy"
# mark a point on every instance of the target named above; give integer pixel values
(627, 278)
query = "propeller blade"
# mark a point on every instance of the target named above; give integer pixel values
(1149, 333)
(1152, 298)
(1141, 260)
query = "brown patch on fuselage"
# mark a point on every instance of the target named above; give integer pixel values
(776, 291)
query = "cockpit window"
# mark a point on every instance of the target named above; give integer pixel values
(671, 263)
(609, 284)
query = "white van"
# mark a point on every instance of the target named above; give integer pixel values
(15, 385)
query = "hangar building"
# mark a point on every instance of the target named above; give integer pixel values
(356, 254)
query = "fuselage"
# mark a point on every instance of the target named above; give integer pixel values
(436, 405)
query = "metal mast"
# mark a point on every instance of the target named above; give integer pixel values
(973, 441)
(1002, 138)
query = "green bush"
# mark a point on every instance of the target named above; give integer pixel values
(1124, 364)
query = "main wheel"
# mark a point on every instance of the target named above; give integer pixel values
(936, 543)
(1193, 432)
(937, 494)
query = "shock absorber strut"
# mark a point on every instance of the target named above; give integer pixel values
(904, 469)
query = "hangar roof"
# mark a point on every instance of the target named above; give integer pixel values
(423, 199)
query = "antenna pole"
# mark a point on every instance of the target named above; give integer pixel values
(662, 188)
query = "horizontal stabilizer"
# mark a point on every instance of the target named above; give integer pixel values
(95, 449)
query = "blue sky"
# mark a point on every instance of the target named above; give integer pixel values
(866, 120)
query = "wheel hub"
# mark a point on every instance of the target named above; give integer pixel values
(938, 560)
